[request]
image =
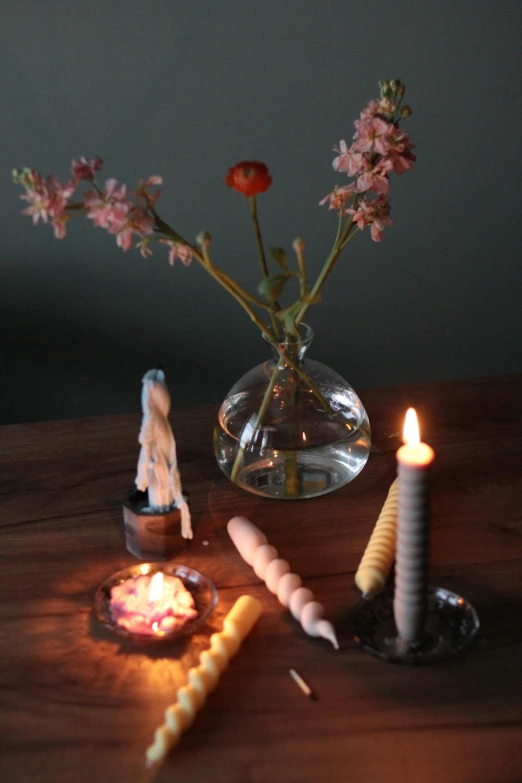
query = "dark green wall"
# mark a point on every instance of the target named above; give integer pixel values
(185, 89)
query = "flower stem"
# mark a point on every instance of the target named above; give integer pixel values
(307, 380)
(262, 260)
(241, 291)
(302, 270)
(227, 283)
(267, 397)
(257, 232)
(339, 245)
(259, 418)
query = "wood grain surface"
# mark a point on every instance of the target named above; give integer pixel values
(78, 707)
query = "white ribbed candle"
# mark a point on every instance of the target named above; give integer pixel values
(411, 568)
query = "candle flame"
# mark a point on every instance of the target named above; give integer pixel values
(411, 428)
(156, 587)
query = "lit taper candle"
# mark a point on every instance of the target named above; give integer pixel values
(411, 570)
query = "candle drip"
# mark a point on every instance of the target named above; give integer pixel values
(255, 550)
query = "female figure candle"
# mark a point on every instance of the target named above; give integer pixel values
(158, 471)
(411, 571)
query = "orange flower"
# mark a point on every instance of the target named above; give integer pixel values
(249, 177)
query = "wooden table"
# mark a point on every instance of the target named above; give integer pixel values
(75, 706)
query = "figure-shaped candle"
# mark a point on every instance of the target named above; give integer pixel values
(157, 466)
(411, 568)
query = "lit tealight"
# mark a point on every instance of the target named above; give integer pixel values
(156, 587)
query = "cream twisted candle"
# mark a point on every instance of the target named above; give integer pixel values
(255, 550)
(202, 679)
(378, 556)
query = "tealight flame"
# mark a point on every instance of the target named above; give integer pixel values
(410, 432)
(156, 587)
(304, 436)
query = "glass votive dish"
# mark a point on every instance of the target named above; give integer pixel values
(201, 588)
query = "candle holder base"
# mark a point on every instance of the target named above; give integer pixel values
(451, 626)
(151, 534)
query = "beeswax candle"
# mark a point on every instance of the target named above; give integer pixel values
(203, 678)
(379, 554)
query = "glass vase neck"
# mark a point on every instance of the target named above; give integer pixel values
(296, 347)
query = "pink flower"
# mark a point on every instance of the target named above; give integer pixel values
(144, 248)
(47, 199)
(85, 169)
(403, 161)
(372, 135)
(136, 222)
(39, 201)
(375, 177)
(109, 208)
(59, 223)
(143, 189)
(373, 213)
(386, 106)
(59, 199)
(59, 196)
(178, 250)
(342, 161)
(152, 181)
(339, 197)
(368, 111)
(349, 160)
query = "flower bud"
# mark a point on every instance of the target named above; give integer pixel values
(384, 87)
(22, 176)
(405, 112)
(298, 245)
(204, 239)
(278, 254)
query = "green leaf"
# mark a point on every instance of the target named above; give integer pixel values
(311, 299)
(288, 316)
(278, 254)
(272, 287)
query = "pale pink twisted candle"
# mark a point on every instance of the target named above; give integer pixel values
(252, 545)
(411, 569)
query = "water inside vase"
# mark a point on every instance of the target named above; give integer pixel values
(299, 450)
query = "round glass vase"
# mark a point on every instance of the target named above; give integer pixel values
(292, 428)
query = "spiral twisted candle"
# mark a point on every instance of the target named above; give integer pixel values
(202, 679)
(255, 550)
(378, 556)
(410, 601)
